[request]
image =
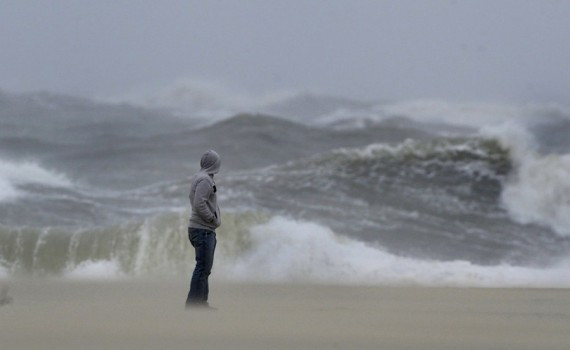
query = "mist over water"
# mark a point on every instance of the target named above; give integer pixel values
(312, 188)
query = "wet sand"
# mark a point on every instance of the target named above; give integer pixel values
(150, 314)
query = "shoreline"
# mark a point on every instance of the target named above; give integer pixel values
(150, 314)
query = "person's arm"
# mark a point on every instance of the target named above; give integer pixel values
(201, 196)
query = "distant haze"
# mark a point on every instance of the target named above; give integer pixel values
(510, 50)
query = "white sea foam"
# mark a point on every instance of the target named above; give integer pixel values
(14, 174)
(284, 250)
(100, 269)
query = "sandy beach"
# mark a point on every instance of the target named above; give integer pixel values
(149, 314)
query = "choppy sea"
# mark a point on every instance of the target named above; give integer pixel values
(312, 189)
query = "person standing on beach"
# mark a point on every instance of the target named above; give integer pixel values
(204, 220)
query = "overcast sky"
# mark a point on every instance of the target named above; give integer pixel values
(496, 50)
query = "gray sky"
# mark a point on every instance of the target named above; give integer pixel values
(496, 50)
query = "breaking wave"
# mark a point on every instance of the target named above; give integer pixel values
(252, 247)
(285, 250)
(535, 187)
(540, 192)
(537, 190)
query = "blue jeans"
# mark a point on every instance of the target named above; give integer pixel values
(204, 242)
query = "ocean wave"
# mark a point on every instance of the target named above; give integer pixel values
(437, 199)
(493, 196)
(15, 174)
(534, 186)
(215, 101)
(442, 161)
(254, 247)
(284, 250)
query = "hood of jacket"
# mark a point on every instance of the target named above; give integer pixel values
(210, 162)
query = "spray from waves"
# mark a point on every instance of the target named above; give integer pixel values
(469, 114)
(475, 115)
(251, 247)
(203, 99)
(13, 175)
(213, 101)
(538, 190)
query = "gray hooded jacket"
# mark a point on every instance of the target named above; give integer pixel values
(205, 210)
